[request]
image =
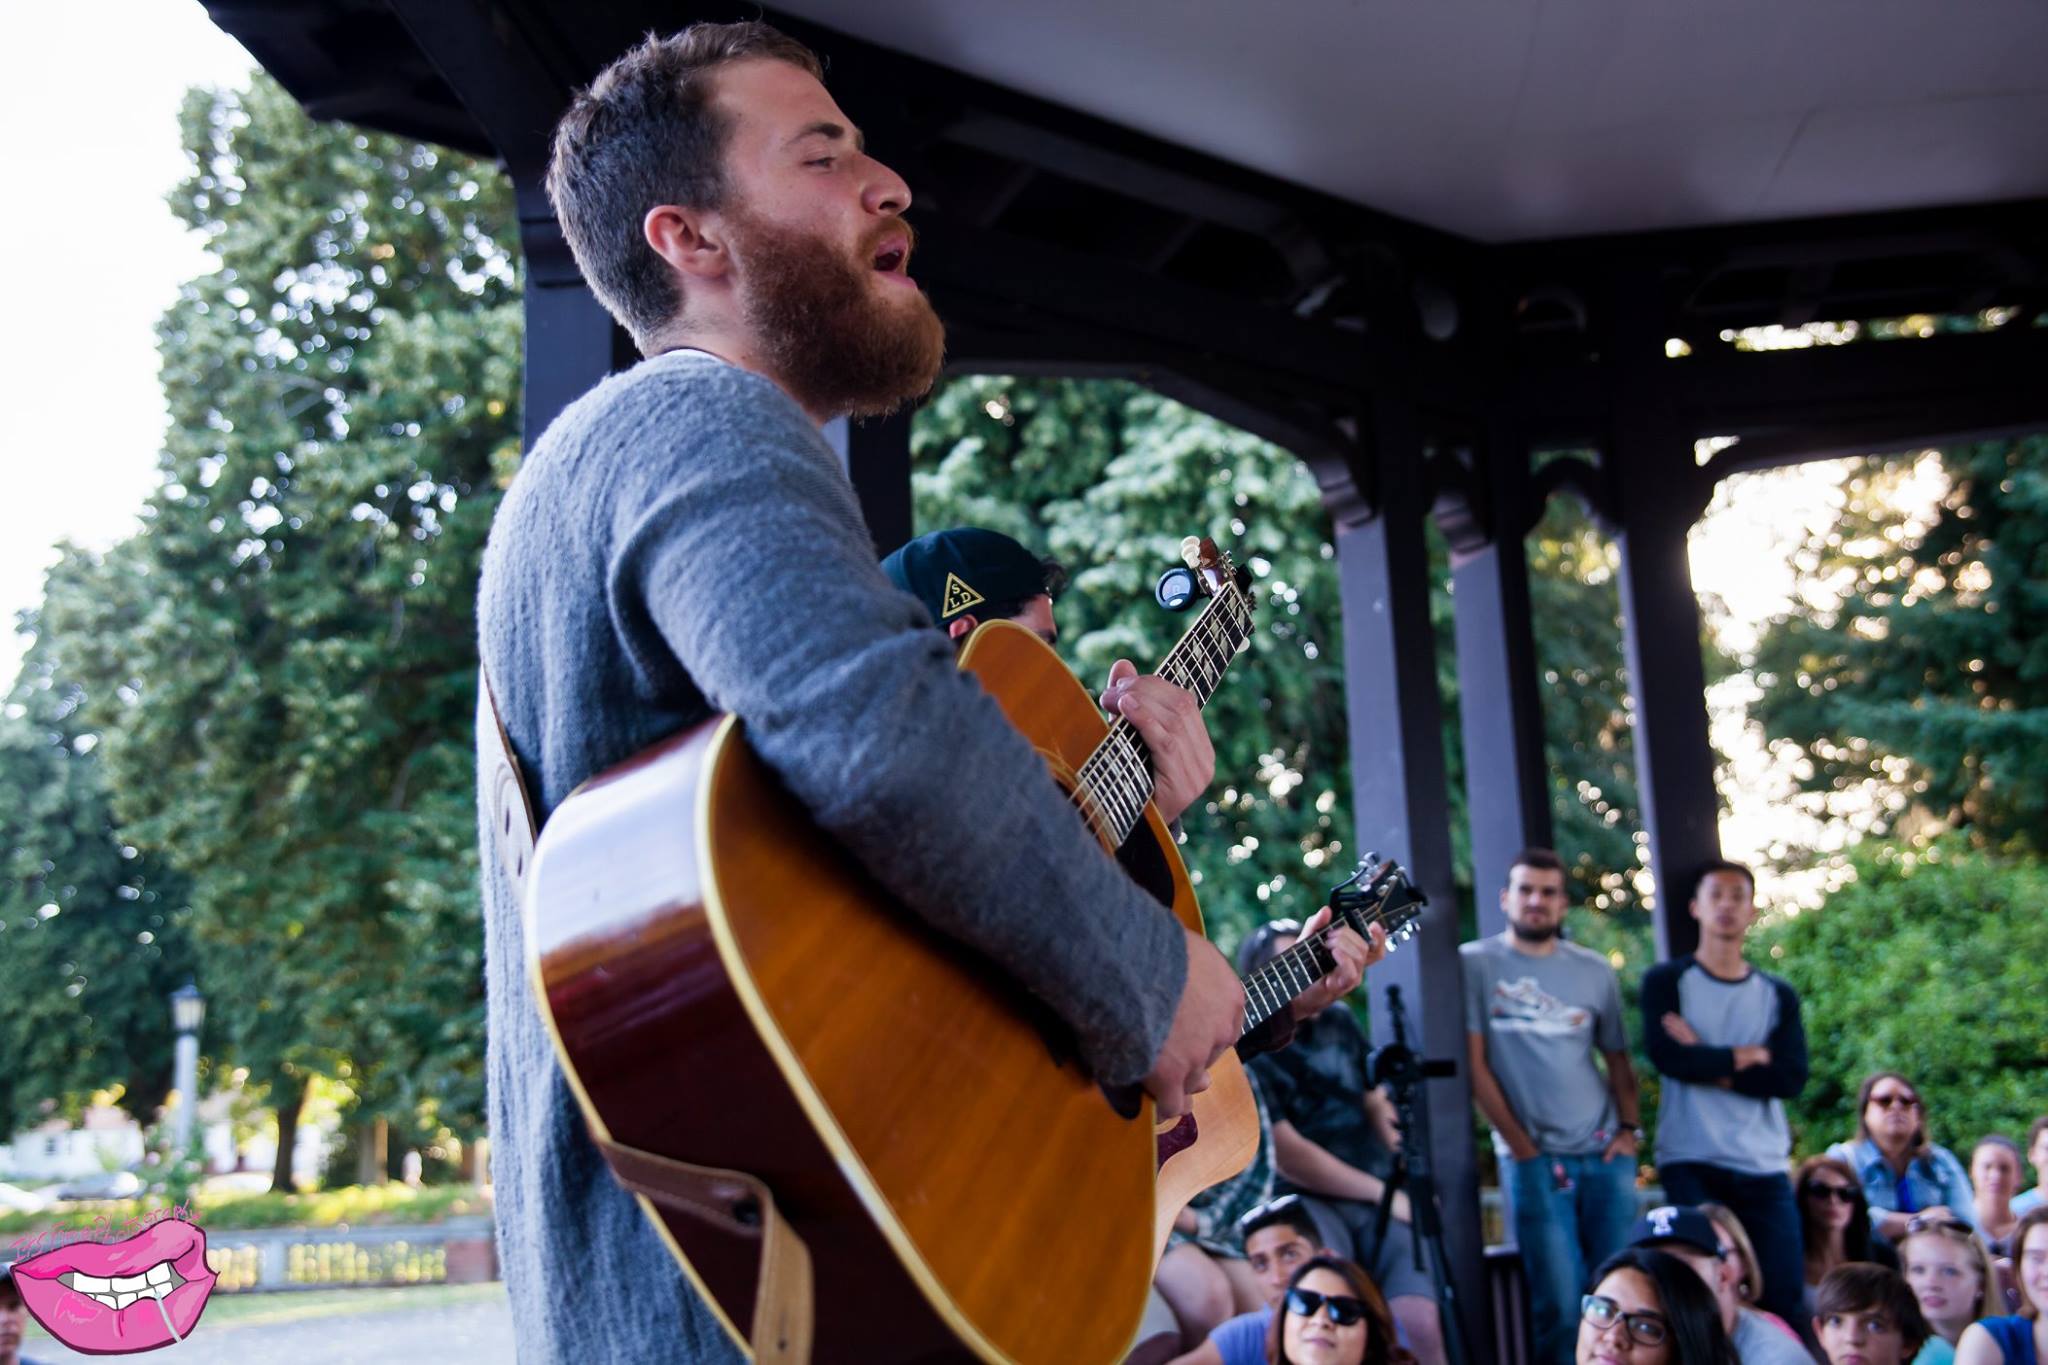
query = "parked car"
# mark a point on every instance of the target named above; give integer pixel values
(15, 1199)
(105, 1185)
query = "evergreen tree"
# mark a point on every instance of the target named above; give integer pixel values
(1924, 689)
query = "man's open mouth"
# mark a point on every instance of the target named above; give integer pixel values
(892, 255)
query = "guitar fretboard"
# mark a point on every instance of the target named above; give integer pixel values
(1273, 987)
(1115, 782)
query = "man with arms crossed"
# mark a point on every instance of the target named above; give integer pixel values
(1729, 1040)
(1537, 1009)
(682, 540)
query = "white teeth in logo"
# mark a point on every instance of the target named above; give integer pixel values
(1662, 1220)
(120, 1291)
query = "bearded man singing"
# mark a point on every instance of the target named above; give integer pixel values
(683, 539)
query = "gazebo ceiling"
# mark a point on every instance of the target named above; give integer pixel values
(1273, 202)
(1533, 119)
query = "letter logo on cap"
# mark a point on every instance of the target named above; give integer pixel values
(959, 597)
(1662, 1220)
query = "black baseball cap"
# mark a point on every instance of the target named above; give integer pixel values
(953, 572)
(1678, 1223)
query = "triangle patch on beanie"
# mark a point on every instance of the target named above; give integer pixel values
(958, 598)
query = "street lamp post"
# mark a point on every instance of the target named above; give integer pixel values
(188, 1012)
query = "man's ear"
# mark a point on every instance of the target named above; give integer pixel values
(690, 240)
(959, 626)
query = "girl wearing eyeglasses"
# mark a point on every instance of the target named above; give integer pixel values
(1648, 1307)
(1902, 1173)
(1951, 1274)
(1333, 1314)
(2023, 1338)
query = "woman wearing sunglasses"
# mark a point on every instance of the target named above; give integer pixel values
(1333, 1314)
(1834, 1220)
(1902, 1173)
(1650, 1308)
(1952, 1276)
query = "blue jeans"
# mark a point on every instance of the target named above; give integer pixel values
(1769, 1214)
(1564, 1232)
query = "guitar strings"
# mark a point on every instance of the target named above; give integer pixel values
(1119, 760)
(1264, 978)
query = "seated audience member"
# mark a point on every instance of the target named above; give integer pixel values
(1949, 1270)
(1834, 1221)
(2021, 1339)
(1332, 1314)
(1995, 1176)
(1901, 1172)
(13, 1319)
(1735, 1245)
(1649, 1308)
(1277, 1238)
(1202, 1276)
(1690, 1235)
(1865, 1315)
(2037, 1156)
(1334, 1139)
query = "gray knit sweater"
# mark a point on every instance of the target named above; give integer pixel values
(683, 540)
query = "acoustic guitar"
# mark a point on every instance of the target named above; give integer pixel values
(861, 1141)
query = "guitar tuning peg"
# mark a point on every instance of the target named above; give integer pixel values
(1191, 551)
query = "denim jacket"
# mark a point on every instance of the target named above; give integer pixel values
(1936, 1178)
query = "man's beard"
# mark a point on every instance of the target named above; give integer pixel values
(1536, 933)
(828, 338)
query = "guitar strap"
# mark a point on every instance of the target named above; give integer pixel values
(732, 1202)
(735, 1202)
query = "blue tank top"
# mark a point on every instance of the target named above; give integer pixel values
(2015, 1338)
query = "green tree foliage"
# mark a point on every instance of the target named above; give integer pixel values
(1923, 964)
(93, 933)
(286, 713)
(1108, 477)
(1924, 689)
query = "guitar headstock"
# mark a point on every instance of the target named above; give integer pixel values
(1379, 892)
(1213, 568)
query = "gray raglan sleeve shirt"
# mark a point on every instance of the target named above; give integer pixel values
(737, 556)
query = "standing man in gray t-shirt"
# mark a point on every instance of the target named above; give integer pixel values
(1536, 1010)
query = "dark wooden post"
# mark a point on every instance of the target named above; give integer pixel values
(571, 342)
(1659, 491)
(876, 453)
(1507, 787)
(1399, 798)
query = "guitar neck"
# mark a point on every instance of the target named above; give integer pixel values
(1275, 986)
(1116, 780)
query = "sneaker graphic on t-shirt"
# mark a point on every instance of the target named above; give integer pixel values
(1521, 1006)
